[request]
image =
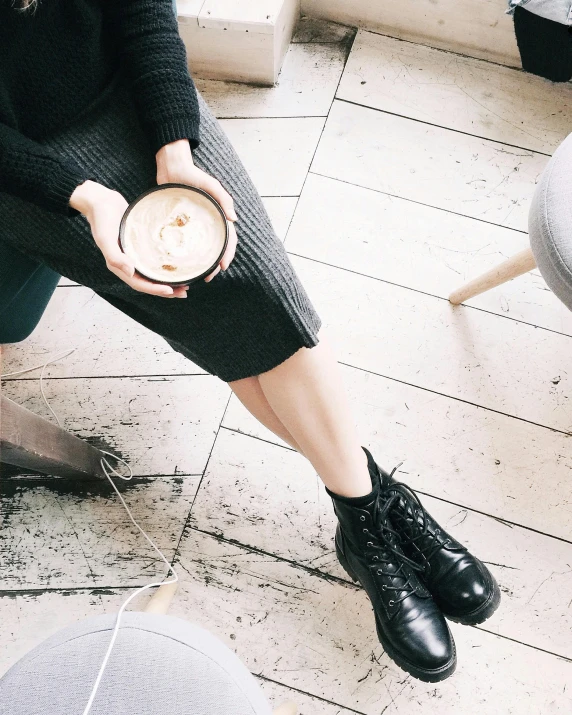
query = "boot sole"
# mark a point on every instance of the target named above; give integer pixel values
(427, 676)
(483, 612)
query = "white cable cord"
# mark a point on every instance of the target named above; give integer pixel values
(43, 366)
(108, 470)
(105, 465)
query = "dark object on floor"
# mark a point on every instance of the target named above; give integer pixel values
(545, 46)
(410, 626)
(461, 585)
(25, 289)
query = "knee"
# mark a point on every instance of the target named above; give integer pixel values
(15, 332)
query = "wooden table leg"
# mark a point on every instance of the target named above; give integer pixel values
(29, 441)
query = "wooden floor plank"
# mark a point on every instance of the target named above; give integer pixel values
(417, 246)
(457, 92)
(434, 166)
(464, 454)
(276, 152)
(305, 87)
(60, 533)
(469, 354)
(160, 425)
(307, 705)
(270, 498)
(280, 209)
(106, 342)
(318, 636)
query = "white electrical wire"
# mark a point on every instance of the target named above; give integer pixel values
(108, 470)
(105, 465)
(43, 365)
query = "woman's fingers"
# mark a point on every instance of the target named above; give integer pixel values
(115, 259)
(228, 255)
(142, 285)
(213, 187)
(216, 271)
(226, 260)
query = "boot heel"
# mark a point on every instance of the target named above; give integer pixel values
(343, 562)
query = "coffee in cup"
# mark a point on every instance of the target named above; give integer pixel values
(174, 234)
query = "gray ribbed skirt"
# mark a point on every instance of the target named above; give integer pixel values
(247, 320)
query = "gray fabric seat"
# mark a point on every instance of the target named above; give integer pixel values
(550, 223)
(159, 664)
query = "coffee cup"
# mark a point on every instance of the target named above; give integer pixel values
(174, 234)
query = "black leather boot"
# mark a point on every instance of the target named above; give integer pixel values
(461, 585)
(410, 626)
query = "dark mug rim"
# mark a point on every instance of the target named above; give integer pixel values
(152, 190)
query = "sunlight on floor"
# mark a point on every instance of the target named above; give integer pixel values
(394, 172)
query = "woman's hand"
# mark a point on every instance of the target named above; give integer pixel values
(175, 165)
(104, 210)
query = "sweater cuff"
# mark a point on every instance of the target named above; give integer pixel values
(57, 193)
(173, 129)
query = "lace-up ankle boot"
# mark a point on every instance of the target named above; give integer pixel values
(462, 586)
(410, 626)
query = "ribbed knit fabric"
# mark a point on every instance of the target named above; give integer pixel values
(247, 320)
(159, 664)
(55, 62)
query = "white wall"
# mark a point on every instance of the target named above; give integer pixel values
(478, 28)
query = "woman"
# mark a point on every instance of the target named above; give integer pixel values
(96, 105)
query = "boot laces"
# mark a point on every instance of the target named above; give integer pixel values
(390, 553)
(426, 541)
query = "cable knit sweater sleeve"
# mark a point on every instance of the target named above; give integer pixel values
(154, 57)
(32, 172)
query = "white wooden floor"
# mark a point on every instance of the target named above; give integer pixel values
(393, 177)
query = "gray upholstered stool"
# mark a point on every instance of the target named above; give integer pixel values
(159, 664)
(550, 233)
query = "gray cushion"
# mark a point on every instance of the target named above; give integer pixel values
(159, 664)
(550, 223)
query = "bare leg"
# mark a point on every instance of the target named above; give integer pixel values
(250, 394)
(306, 395)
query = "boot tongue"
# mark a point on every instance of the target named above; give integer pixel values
(379, 478)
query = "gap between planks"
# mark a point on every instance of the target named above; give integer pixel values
(440, 126)
(417, 491)
(349, 584)
(424, 292)
(187, 519)
(414, 201)
(350, 44)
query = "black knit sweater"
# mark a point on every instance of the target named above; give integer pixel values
(56, 60)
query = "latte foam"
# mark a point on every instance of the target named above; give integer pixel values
(174, 234)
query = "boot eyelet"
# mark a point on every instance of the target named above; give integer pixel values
(370, 544)
(362, 518)
(376, 558)
(365, 531)
(391, 603)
